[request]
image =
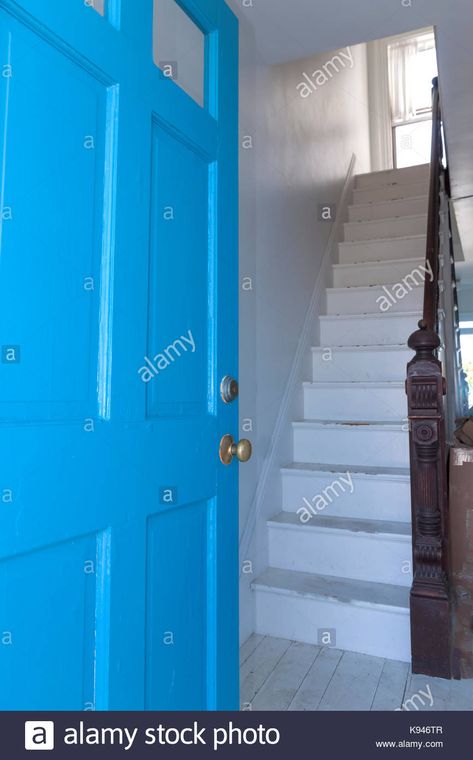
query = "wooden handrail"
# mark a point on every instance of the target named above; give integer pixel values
(430, 318)
(426, 387)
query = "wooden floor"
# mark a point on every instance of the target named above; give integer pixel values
(277, 674)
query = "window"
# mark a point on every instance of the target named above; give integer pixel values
(466, 341)
(412, 67)
(179, 48)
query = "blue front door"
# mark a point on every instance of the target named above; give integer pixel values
(118, 320)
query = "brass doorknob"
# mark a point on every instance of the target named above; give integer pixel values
(230, 449)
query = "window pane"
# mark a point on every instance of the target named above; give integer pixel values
(413, 144)
(467, 357)
(179, 48)
(412, 67)
(424, 72)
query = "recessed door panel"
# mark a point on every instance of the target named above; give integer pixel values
(54, 136)
(59, 652)
(181, 307)
(179, 663)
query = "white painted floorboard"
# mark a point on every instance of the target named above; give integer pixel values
(277, 674)
(258, 667)
(286, 679)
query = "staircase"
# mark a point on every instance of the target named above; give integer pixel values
(340, 550)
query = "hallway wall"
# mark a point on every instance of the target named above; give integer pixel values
(295, 148)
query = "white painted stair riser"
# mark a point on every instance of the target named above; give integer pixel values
(372, 497)
(366, 212)
(382, 250)
(341, 553)
(364, 274)
(377, 445)
(351, 364)
(405, 176)
(367, 629)
(407, 296)
(368, 330)
(390, 193)
(355, 401)
(385, 228)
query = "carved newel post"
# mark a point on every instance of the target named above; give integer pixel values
(430, 598)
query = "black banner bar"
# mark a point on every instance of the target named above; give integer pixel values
(231, 735)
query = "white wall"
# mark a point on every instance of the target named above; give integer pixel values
(301, 150)
(251, 75)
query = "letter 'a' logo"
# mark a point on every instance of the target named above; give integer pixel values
(39, 734)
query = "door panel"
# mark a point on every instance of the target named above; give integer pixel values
(183, 662)
(118, 319)
(53, 289)
(26, 578)
(180, 285)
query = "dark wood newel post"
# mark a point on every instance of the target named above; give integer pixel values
(430, 598)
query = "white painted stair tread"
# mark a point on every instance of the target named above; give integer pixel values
(376, 493)
(404, 175)
(389, 192)
(347, 363)
(328, 587)
(372, 346)
(373, 315)
(368, 329)
(376, 424)
(354, 469)
(386, 219)
(381, 262)
(390, 227)
(379, 249)
(375, 299)
(367, 273)
(370, 384)
(342, 289)
(388, 209)
(372, 241)
(365, 399)
(350, 524)
(374, 442)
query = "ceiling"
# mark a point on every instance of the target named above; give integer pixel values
(292, 30)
